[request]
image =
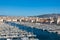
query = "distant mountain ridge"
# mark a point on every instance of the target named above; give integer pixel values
(48, 15)
(43, 16)
(3, 15)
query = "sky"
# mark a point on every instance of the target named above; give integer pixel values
(29, 7)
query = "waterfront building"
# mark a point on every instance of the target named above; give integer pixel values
(58, 20)
(1, 20)
(14, 20)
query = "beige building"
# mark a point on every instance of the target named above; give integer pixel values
(1, 20)
(14, 20)
(51, 20)
(30, 19)
(58, 20)
(8, 19)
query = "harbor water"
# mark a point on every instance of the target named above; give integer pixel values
(40, 34)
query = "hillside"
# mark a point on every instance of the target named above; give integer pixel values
(48, 15)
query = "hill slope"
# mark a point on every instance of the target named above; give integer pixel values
(48, 15)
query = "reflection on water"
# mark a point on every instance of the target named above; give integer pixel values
(40, 34)
(3, 39)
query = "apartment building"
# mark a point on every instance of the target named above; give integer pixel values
(58, 20)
